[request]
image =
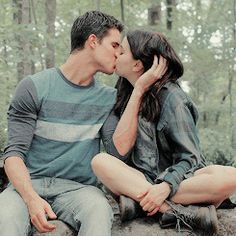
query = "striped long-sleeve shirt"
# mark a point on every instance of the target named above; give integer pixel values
(54, 125)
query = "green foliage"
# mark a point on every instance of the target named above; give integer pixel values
(217, 147)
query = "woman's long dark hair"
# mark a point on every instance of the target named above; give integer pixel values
(144, 45)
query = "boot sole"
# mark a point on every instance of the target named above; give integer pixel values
(127, 209)
(211, 220)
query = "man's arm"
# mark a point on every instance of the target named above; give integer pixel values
(22, 116)
(19, 176)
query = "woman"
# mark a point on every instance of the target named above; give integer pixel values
(151, 138)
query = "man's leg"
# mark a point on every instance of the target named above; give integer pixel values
(85, 209)
(14, 216)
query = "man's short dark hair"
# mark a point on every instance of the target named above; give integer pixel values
(92, 22)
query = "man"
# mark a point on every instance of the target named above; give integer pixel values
(53, 133)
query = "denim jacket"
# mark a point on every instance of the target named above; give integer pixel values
(167, 150)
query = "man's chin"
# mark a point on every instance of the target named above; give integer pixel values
(109, 72)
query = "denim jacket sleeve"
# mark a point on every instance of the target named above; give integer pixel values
(107, 132)
(181, 133)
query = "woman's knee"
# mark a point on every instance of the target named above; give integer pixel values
(98, 161)
(102, 164)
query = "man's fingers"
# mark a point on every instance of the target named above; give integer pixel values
(43, 224)
(50, 212)
(35, 221)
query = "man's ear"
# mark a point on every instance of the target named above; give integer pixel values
(92, 41)
(138, 66)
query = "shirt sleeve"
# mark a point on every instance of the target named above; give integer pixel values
(22, 116)
(182, 136)
(107, 132)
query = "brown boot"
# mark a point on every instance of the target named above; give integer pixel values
(129, 209)
(194, 217)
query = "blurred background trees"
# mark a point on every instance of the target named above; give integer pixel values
(35, 34)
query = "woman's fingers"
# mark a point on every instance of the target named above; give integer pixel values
(141, 195)
(154, 211)
(161, 68)
(155, 62)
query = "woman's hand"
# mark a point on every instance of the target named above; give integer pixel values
(152, 75)
(154, 197)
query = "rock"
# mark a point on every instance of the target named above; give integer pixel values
(143, 226)
(62, 229)
(150, 227)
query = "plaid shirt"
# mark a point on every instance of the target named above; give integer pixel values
(169, 150)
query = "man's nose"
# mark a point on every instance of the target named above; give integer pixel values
(117, 52)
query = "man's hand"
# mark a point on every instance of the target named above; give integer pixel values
(154, 197)
(152, 75)
(39, 209)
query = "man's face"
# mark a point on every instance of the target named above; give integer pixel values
(107, 51)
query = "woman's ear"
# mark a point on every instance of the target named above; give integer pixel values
(138, 66)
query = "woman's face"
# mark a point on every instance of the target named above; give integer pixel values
(125, 61)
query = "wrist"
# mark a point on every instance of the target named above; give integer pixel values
(138, 92)
(29, 195)
(166, 186)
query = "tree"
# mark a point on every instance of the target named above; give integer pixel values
(22, 17)
(50, 7)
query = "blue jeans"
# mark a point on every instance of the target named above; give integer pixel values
(84, 207)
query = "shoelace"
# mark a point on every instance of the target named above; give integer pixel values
(182, 219)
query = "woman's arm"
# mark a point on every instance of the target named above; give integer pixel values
(125, 133)
(181, 133)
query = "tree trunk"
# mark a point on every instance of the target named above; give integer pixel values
(169, 9)
(122, 10)
(42, 64)
(232, 75)
(22, 17)
(50, 6)
(154, 15)
(97, 3)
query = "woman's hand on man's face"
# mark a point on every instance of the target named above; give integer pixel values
(152, 75)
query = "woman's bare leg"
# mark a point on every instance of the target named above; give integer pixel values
(120, 178)
(211, 184)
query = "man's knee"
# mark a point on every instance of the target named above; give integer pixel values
(14, 219)
(12, 207)
(97, 207)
